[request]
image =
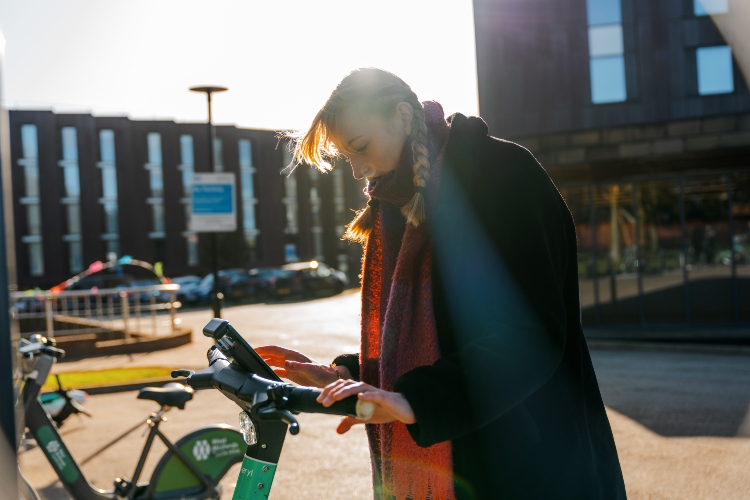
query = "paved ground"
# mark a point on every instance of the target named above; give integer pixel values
(679, 419)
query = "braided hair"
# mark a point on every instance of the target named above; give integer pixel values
(381, 91)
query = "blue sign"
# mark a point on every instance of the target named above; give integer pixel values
(213, 199)
(213, 203)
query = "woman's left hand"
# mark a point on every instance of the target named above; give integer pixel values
(389, 406)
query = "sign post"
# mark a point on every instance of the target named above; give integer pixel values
(215, 293)
(214, 211)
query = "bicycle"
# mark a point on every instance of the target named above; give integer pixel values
(190, 468)
(268, 404)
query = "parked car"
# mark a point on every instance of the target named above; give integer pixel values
(187, 284)
(317, 278)
(235, 284)
(273, 283)
(103, 280)
(145, 297)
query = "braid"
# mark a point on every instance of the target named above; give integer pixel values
(414, 211)
(359, 228)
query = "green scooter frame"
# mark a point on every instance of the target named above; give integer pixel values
(268, 404)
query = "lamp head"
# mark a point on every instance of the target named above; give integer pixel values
(208, 89)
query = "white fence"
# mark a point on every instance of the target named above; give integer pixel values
(149, 310)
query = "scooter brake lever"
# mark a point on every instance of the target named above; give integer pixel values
(182, 373)
(273, 413)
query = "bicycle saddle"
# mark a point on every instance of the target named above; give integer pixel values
(173, 394)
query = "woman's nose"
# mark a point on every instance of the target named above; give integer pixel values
(358, 168)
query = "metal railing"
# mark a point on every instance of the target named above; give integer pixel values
(134, 311)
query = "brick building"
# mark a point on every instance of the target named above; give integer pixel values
(86, 188)
(639, 111)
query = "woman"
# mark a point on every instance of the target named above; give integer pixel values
(471, 346)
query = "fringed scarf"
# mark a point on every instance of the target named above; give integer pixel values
(398, 322)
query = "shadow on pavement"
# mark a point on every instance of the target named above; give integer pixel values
(677, 393)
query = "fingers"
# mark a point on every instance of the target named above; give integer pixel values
(341, 389)
(346, 424)
(394, 403)
(278, 353)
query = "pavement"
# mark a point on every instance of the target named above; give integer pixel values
(679, 413)
(259, 324)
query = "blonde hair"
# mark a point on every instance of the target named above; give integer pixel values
(380, 92)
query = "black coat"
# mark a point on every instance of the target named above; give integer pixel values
(514, 390)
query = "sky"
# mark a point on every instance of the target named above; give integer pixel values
(280, 59)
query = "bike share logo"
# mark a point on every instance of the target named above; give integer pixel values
(201, 450)
(57, 454)
(53, 447)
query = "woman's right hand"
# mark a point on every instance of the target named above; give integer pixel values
(295, 366)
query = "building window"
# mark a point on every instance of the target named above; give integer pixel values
(36, 259)
(72, 198)
(290, 193)
(108, 200)
(317, 225)
(156, 182)
(291, 228)
(339, 214)
(193, 258)
(187, 167)
(290, 201)
(218, 155)
(714, 65)
(709, 7)
(158, 212)
(606, 51)
(247, 186)
(30, 164)
(187, 164)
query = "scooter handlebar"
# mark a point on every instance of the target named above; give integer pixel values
(305, 400)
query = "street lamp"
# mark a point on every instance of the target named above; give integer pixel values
(215, 295)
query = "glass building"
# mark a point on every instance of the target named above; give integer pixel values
(640, 115)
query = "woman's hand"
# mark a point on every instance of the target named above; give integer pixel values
(295, 366)
(389, 406)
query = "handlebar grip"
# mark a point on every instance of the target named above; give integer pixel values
(304, 399)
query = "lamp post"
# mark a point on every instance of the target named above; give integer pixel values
(215, 294)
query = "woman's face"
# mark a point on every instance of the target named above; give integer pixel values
(371, 142)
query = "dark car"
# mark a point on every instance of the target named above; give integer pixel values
(144, 297)
(317, 278)
(273, 283)
(102, 280)
(187, 284)
(235, 284)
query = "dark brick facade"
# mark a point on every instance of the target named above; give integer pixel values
(134, 214)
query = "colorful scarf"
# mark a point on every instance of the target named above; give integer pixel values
(398, 322)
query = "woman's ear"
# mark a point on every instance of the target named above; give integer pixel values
(405, 114)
